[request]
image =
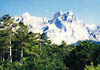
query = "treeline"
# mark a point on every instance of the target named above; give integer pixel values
(24, 50)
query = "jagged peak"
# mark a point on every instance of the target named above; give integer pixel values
(57, 14)
(65, 16)
(70, 13)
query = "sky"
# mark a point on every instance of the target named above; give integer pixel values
(86, 10)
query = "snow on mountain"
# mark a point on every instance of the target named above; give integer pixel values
(65, 26)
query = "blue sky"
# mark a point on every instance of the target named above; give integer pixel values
(87, 10)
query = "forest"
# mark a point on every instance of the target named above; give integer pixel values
(24, 50)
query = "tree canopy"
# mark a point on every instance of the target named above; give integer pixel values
(24, 50)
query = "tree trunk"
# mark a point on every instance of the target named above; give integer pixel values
(21, 59)
(10, 51)
(40, 49)
(16, 54)
(3, 59)
(10, 54)
(1, 56)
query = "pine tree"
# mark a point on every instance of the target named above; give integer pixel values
(22, 36)
(8, 26)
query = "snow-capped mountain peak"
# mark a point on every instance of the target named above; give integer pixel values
(65, 26)
(64, 17)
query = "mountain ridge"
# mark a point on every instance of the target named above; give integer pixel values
(65, 26)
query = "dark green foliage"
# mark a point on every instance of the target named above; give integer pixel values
(32, 51)
(83, 54)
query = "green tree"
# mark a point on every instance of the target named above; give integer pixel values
(7, 25)
(21, 34)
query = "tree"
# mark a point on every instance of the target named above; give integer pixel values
(8, 26)
(21, 34)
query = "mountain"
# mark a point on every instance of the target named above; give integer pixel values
(65, 26)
